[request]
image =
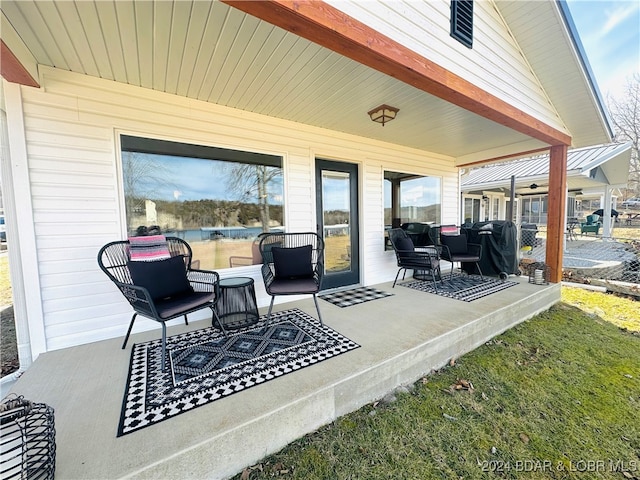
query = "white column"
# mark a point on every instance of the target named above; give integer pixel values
(566, 217)
(606, 213)
(30, 331)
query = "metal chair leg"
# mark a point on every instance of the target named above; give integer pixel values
(216, 319)
(317, 309)
(126, 337)
(270, 307)
(164, 345)
(186, 322)
(480, 271)
(394, 282)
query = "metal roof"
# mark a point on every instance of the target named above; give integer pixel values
(579, 162)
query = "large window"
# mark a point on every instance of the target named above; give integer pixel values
(495, 208)
(218, 200)
(534, 209)
(411, 199)
(471, 209)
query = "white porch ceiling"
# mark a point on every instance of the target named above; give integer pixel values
(214, 53)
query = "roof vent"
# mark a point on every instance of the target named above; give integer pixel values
(462, 21)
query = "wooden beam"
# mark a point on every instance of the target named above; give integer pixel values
(329, 27)
(504, 157)
(12, 70)
(556, 210)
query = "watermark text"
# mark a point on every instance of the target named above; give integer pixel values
(498, 466)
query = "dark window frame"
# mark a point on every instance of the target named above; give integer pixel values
(232, 199)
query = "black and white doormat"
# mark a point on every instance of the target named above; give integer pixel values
(354, 296)
(463, 287)
(204, 365)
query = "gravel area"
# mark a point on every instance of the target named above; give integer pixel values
(586, 254)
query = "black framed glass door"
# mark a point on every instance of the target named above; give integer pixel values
(337, 219)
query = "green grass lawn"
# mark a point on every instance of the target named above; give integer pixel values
(5, 281)
(555, 397)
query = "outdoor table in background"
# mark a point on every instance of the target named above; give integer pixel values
(631, 217)
(572, 223)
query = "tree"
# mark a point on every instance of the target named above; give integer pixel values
(254, 181)
(625, 113)
(142, 176)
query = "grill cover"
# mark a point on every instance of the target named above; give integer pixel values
(499, 240)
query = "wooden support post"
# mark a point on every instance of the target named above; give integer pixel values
(556, 212)
(329, 27)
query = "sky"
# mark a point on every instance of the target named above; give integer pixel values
(610, 34)
(206, 180)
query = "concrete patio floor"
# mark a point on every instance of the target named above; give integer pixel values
(402, 338)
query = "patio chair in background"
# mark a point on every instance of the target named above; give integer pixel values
(591, 224)
(424, 261)
(154, 274)
(254, 259)
(292, 265)
(439, 230)
(456, 249)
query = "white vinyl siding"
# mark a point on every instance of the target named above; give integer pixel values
(72, 126)
(495, 64)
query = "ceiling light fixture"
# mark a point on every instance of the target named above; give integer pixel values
(383, 114)
(533, 186)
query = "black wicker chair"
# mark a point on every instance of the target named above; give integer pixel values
(292, 265)
(455, 248)
(163, 289)
(424, 262)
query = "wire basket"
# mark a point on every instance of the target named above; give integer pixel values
(27, 440)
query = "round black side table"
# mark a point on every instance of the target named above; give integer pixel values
(237, 307)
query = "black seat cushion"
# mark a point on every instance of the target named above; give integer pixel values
(292, 262)
(162, 278)
(293, 286)
(182, 303)
(421, 262)
(465, 257)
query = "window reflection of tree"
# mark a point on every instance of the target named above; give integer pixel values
(202, 194)
(254, 181)
(142, 178)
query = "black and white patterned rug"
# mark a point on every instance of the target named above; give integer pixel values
(463, 287)
(204, 365)
(354, 296)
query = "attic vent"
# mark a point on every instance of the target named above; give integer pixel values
(462, 21)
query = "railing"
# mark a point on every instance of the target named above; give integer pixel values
(588, 258)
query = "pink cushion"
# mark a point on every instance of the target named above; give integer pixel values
(148, 248)
(449, 230)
